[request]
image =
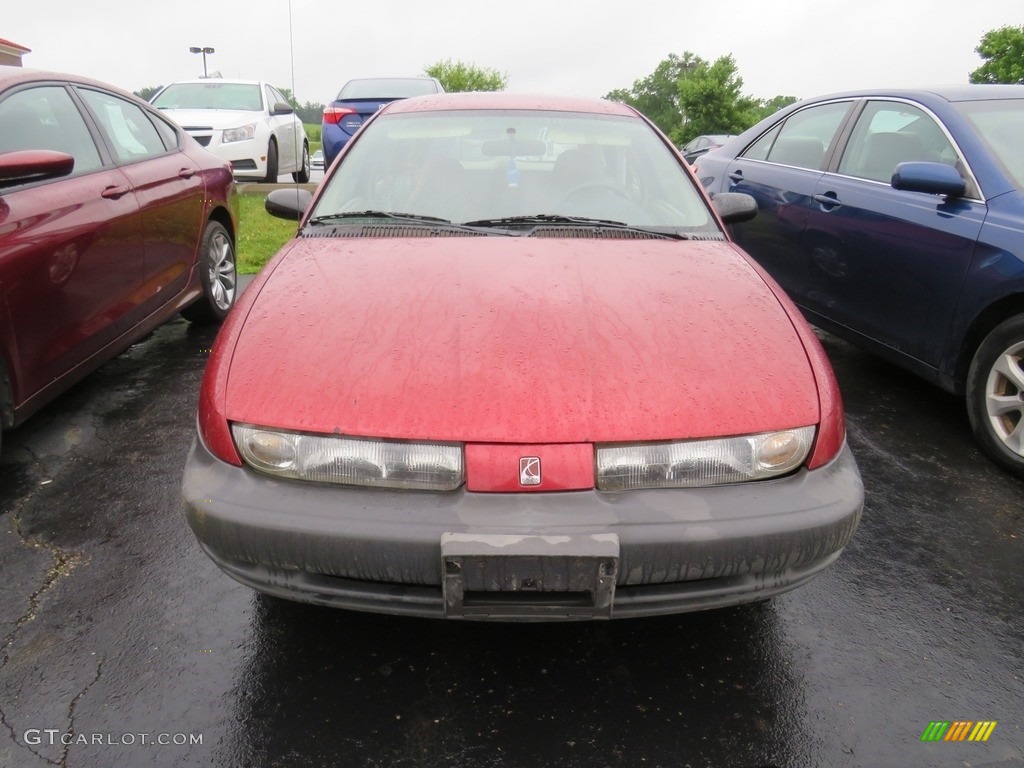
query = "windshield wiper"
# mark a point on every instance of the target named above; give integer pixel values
(443, 225)
(554, 218)
(326, 218)
(542, 218)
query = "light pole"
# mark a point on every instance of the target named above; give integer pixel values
(203, 50)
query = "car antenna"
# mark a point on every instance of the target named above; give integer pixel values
(291, 63)
(291, 57)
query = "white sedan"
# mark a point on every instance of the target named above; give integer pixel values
(249, 123)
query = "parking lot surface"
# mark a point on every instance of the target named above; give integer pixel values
(125, 646)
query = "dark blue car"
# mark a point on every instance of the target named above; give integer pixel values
(895, 219)
(358, 99)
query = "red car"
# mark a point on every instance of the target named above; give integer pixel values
(488, 380)
(112, 220)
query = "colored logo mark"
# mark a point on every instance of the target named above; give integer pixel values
(529, 470)
(959, 730)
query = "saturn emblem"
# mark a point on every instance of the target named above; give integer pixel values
(529, 470)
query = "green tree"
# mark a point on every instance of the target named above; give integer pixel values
(457, 76)
(657, 95)
(1003, 52)
(290, 98)
(771, 106)
(147, 93)
(311, 112)
(711, 101)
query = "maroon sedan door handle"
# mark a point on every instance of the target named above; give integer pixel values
(113, 193)
(186, 173)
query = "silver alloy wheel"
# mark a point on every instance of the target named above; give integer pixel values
(221, 258)
(1004, 398)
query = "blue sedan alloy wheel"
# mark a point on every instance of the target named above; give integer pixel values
(995, 395)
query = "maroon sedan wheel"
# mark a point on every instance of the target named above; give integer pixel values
(218, 276)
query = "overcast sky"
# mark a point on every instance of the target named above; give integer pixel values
(583, 48)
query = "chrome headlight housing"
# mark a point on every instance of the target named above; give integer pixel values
(699, 463)
(366, 462)
(242, 133)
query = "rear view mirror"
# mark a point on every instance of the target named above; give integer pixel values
(506, 147)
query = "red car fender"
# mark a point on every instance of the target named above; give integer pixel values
(832, 417)
(213, 426)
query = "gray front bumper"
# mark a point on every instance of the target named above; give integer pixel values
(378, 550)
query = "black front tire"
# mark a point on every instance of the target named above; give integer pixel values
(301, 176)
(218, 274)
(272, 174)
(995, 395)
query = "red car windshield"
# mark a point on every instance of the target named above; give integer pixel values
(475, 165)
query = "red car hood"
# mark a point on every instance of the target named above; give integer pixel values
(500, 339)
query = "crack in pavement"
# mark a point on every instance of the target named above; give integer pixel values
(63, 564)
(71, 711)
(26, 747)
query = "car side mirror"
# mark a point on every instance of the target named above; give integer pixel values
(290, 203)
(931, 178)
(282, 109)
(734, 207)
(28, 165)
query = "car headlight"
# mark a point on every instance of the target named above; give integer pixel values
(351, 461)
(242, 133)
(697, 463)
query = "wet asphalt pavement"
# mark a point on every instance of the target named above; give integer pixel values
(118, 633)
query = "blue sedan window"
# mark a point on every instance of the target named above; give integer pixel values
(804, 139)
(889, 133)
(1001, 125)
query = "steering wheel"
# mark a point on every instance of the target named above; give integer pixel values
(599, 186)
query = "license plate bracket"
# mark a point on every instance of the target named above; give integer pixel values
(500, 576)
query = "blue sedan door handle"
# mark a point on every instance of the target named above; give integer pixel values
(828, 202)
(736, 177)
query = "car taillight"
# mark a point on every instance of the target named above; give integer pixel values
(335, 115)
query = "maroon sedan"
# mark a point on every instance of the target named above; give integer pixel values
(112, 220)
(513, 368)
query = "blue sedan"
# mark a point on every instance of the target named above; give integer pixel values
(357, 101)
(895, 219)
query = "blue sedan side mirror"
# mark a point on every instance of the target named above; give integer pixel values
(932, 178)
